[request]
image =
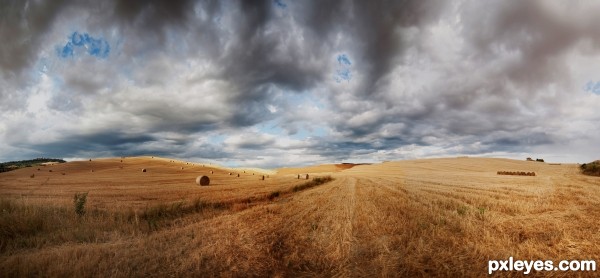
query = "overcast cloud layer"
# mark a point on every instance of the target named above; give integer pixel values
(280, 83)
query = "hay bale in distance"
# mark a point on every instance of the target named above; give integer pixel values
(202, 180)
(212, 172)
(517, 173)
(230, 173)
(238, 175)
(144, 170)
(306, 176)
(50, 170)
(298, 176)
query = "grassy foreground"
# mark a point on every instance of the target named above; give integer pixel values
(443, 217)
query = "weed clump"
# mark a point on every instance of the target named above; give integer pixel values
(314, 182)
(274, 195)
(79, 201)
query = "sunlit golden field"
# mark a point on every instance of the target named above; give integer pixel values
(435, 217)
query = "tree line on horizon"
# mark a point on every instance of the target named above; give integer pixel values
(13, 165)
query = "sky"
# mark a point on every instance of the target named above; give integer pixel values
(289, 83)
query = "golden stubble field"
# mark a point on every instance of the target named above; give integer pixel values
(436, 217)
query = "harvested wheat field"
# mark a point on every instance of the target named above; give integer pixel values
(435, 217)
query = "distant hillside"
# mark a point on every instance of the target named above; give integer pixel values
(13, 165)
(592, 168)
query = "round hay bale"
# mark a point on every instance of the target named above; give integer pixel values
(230, 173)
(181, 168)
(144, 170)
(212, 172)
(306, 176)
(238, 175)
(49, 170)
(92, 171)
(202, 180)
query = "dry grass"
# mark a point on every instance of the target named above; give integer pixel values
(442, 217)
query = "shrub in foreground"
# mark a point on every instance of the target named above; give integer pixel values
(79, 201)
(592, 168)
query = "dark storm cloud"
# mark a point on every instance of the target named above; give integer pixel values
(120, 144)
(539, 32)
(24, 22)
(76, 145)
(355, 78)
(376, 24)
(153, 14)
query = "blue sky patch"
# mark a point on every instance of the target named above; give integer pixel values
(343, 60)
(343, 72)
(78, 42)
(280, 4)
(593, 87)
(66, 51)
